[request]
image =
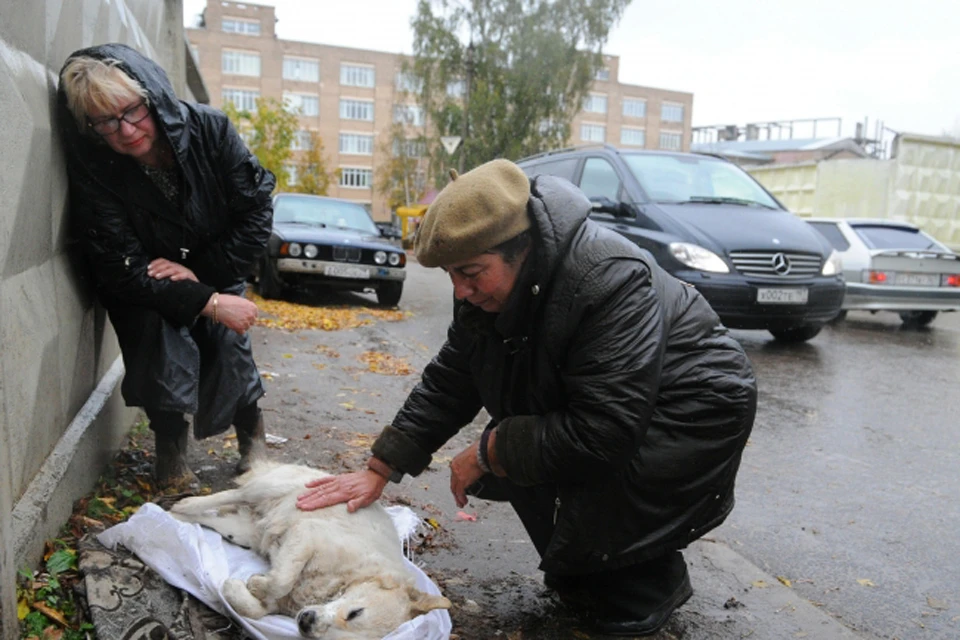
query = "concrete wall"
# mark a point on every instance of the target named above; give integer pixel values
(60, 411)
(920, 184)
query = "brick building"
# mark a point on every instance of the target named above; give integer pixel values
(350, 96)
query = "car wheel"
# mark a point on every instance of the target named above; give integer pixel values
(270, 285)
(388, 294)
(797, 334)
(918, 318)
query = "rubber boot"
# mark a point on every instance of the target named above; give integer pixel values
(251, 437)
(171, 469)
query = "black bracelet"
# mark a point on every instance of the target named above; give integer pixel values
(483, 456)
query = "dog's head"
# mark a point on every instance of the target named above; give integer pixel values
(367, 610)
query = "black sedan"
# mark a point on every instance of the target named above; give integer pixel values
(320, 241)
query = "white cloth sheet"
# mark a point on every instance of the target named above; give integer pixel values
(199, 560)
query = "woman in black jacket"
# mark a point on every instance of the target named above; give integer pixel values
(620, 405)
(172, 212)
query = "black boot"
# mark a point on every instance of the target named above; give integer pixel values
(171, 436)
(251, 437)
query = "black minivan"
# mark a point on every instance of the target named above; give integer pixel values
(710, 224)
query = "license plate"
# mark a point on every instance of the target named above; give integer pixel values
(345, 271)
(782, 296)
(917, 279)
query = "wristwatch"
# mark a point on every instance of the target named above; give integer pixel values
(384, 470)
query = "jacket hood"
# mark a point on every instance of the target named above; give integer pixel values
(164, 105)
(558, 210)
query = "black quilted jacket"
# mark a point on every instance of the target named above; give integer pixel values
(609, 378)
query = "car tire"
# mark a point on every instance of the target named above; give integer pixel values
(918, 318)
(795, 335)
(388, 293)
(270, 286)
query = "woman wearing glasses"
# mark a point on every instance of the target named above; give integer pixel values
(172, 212)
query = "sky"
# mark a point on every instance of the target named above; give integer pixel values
(743, 60)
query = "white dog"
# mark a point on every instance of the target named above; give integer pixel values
(340, 574)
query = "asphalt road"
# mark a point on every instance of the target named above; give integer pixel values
(848, 490)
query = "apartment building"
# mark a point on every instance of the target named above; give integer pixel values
(351, 97)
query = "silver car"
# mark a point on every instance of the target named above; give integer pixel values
(893, 266)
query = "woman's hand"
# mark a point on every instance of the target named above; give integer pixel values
(162, 268)
(464, 471)
(358, 490)
(234, 312)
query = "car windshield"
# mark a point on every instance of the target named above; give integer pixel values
(686, 179)
(321, 212)
(886, 237)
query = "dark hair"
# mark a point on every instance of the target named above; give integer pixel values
(512, 248)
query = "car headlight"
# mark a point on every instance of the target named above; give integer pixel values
(310, 251)
(295, 249)
(394, 259)
(833, 265)
(380, 257)
(697, 257)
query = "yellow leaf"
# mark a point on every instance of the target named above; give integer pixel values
(22, 609)
(760, 584)
(288, 355)
(347, 405)
(319, 366)
(865, 582)
(433, 523)
(51, 613)
(785, 581)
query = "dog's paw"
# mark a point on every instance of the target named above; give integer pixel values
(188, 506)
(243, 602)
(259, 586)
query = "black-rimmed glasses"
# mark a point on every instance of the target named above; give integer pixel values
(132, 115)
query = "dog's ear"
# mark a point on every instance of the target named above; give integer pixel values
(421, 602)
(387, 582)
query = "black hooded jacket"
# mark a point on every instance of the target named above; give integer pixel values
(609, 379)
(218, 228)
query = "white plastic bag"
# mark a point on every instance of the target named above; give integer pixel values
(198, 561)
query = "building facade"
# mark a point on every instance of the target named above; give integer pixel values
(352, 97)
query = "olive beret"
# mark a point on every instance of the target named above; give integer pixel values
(473, 213)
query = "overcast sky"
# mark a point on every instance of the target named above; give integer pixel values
(743, 60)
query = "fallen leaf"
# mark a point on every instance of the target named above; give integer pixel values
(52, 633)
(866, 582)
(760, 584)
(936, 603)
(22, 609)
(784, 581)
(432, 522)
(288, 355)
(347, 405)
(386, 364)
(319, 366)
(442, 459)
(51, 613)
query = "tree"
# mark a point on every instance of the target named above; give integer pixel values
(508, 76)
(401, 179)
(269, 132)
(312, 174)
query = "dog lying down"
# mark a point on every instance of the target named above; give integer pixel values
(341, 575)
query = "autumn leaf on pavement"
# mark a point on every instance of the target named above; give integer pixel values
(279, 314)
(866, 582)
(385, 363)
(50, 612)
(785, 581)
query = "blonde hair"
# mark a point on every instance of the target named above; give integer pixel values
(98, 84)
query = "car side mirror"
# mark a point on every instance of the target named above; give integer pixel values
(602, 204)
(387, 230)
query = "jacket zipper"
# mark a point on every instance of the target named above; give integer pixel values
(556, 511)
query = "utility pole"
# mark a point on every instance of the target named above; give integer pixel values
(465, 125)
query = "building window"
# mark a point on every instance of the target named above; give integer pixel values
(353, 178)
(409, 114)
(634, 108)
(240, 63)
(671, 141)
(671, 112)
(593, 132)
(301, 69)
(409, 148)
(603, 74)
(360, 144)
(633, 137)
(302, 141)
(595, 103)
(409, 82)
(356, 109)
(306, 104)
(456, 88)
(241, 25)
(291, 170)
(355, 75)
(242, 99)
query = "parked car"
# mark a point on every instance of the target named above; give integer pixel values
(710, 224)
(320, 241)
(893, 266)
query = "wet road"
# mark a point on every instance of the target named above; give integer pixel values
(850, 487)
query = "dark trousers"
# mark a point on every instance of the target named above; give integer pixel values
(634, 591)
(172, 424)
